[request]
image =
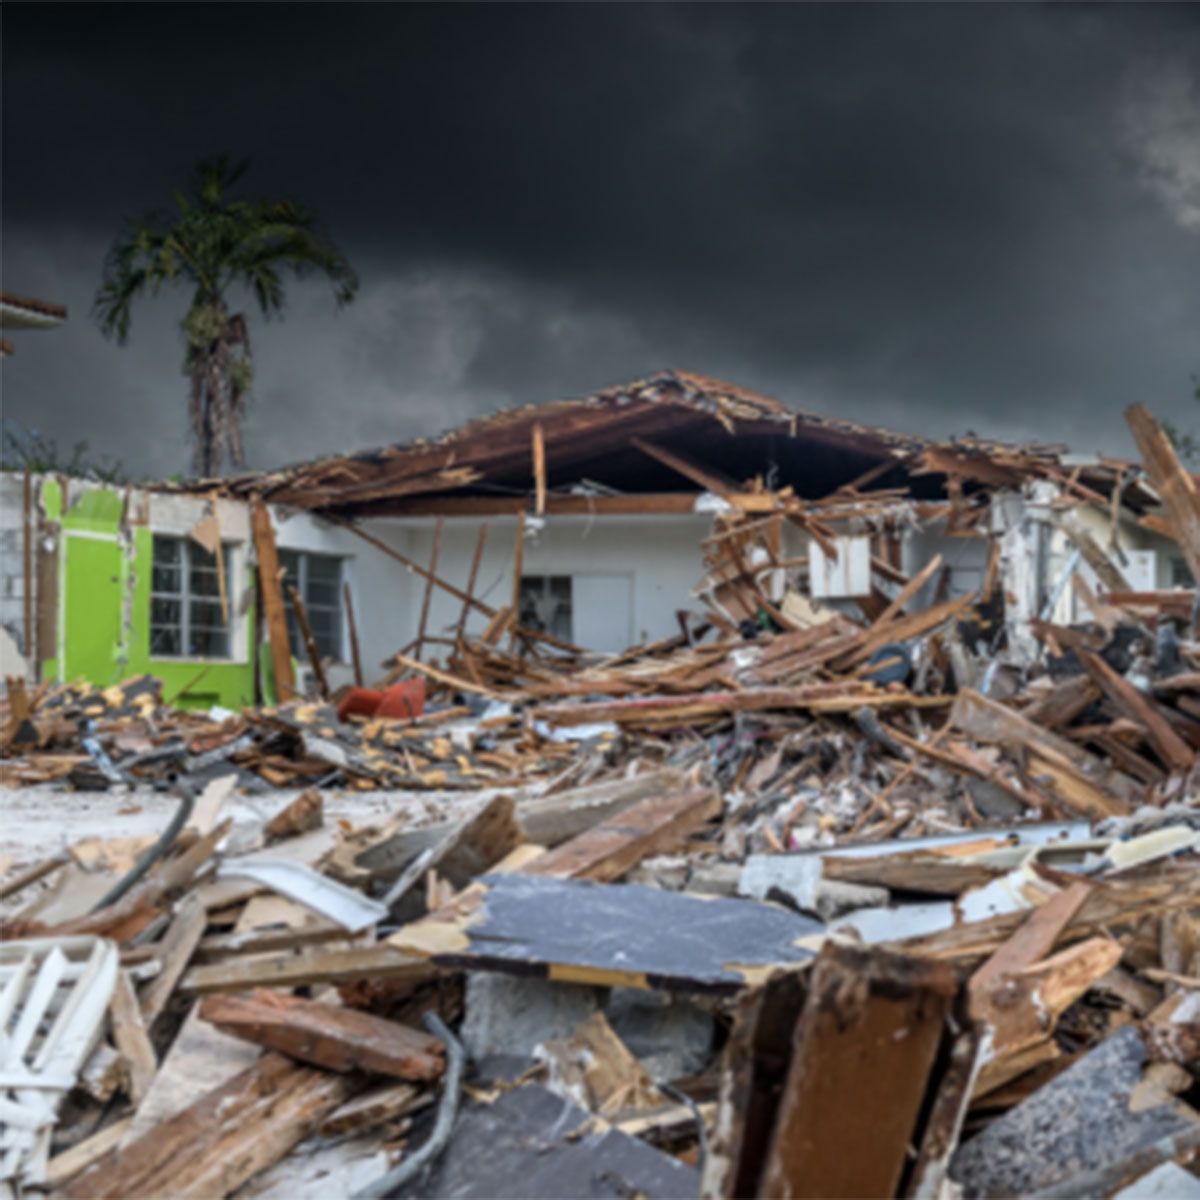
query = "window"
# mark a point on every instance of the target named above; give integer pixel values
(318, 579)
(1179, 575)
(185, 600)
(546, 604)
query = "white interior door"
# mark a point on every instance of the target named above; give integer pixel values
(602, 612)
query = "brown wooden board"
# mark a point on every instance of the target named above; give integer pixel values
(325, 1035)
(862, 1067)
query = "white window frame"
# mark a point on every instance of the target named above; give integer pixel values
(185, 596)
(295, 638)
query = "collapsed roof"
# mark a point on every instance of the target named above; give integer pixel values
(653, 446)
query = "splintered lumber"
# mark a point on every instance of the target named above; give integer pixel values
(477, 843)
(65, 1166)
(1022, 1007)
(546, 820)
(615, 846)
(327, 1035)
(224, 1138)
(1034, 939)
(272, 599)
(174, 953)
(310, 642)
(611, 934)
(129, 1033)
(1176, 486)
(909, 590)
(862, 1073)
(313, 964)
(302, 815)
(1106, 570)
(698, 706)
(352, 629)
(1175, 752)
(461, 852)
(1083, 784)
(374, 1108)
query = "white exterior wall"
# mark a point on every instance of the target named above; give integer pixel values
(660, 557)
(12, 575)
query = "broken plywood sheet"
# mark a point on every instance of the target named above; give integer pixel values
(863, 1066)
(580, 932)
(541, 1147)
(1085, 1119)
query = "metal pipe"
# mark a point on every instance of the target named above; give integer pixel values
(447, 1111)
(152, 854)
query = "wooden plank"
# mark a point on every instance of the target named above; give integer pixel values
(377, 1107)
(310, 643)
(862, 1066)
(63, 1167)
(434, 550)
(476, 843)
(272, 598)
(1022, 1007)
(312, 965)
(223, 1139)
(28, 641)
(472, 577)
(1077, 780)
(1034, 939)
(1106, 570)
(653, 826)
(129, 1033)
(1175, 752)
(352, 626)
(175, 952)
(909, 590)
(327, 1035)
(539, 468)
(703, 477)
(1176, 487)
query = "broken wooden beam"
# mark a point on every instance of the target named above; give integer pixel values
(227, 1136)
(327, 1035)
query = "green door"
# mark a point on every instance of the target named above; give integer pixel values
(92, 630)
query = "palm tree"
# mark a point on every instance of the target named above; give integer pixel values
(214, 245)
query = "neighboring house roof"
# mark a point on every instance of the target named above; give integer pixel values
(632, 439)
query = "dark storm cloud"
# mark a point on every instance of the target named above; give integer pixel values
(937, 218)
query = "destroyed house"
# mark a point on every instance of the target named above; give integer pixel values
(578, 527)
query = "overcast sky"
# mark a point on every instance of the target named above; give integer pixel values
(935, 218)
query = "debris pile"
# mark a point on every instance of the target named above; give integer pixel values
(796, 902)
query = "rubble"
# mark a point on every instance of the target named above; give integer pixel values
(802, 901)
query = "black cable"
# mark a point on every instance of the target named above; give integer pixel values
(447, 1111)
(152, 854)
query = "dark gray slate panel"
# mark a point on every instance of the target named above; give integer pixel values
(676, 941)
(1079, 1121)
(518, 1146)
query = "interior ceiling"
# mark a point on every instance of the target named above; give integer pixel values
(813, 467)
